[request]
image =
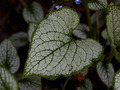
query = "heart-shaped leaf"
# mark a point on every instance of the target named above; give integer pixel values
(31, 30)
(19, 39)
(8, 56)
(33, 13)
(117, 81)
(30, 83)
(113, 24)
(98, 4)
(53, 52)
(105, 34)
(86, 85)
(7, 80)
(106, 73)
(81, 31)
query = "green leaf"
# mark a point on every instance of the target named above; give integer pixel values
(98, 4)
(105, 34)
(19, 39)
(117, 81)
(31, 30)
(81, 31)
(53, 52)
(113, 24)
(7, 80)
(86, 85)
(8, 56)
(34, 13)
(116, 2)
(106, 73)
(30, 83)
(84, 72)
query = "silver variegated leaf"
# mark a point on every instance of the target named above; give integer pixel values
(53, 52)
(31, 30)
(117, 81)
(33, 14)
(105, 34)
(81, 31)
(86, 85)
(30, 83)
(7, 80)
(8, 56)
(98, 4)
(19, 39)
(106, 73)
(113, 24)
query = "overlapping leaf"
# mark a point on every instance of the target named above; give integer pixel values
(81, 31)
(86, 85)
(34, 13)
(30, 83)
(8, 56)
(98, 4)
(53, 52)
(31, 30)
(113, 24)
(19, 39)
(104, 34)
(106, 73)
(117, 81)
(7, 80)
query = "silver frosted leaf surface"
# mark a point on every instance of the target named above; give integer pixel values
(86, 85)
(33, 15)
(117, 81)
(53, 52)
(81, 31)
(113, 24)
(19, 39)
(31, 30)
(105, 34)
(30, 83)
(106, 73)
(8, 56)
(98, 4)
(7, 80)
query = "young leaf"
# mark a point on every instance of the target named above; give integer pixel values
(84, 72)
(34, 13)
(53, 52)
(30, 83)
(19, 39)
(86, 85)
(106, 73)
(98, 4)
(31, 30)
(113, 24)
(8, 56)
(105, 34)
(7, 80)
(81, 31)
(117, 81)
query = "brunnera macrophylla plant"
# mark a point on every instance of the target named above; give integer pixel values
(54, 52)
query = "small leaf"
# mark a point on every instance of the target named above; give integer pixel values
(84, 72)
(30, 83)
(34, 13)
(105, 34)
(31, 30)
(113, 24)
(106, 73)
(7, 80)
(81, 31)
(8, 56)
(53, 52)
(19, 39)
(86, 85)
(98, 4)
(117, 81)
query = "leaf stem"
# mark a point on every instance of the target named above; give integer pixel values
(23, 3)
(98, 25)
(66, 83)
